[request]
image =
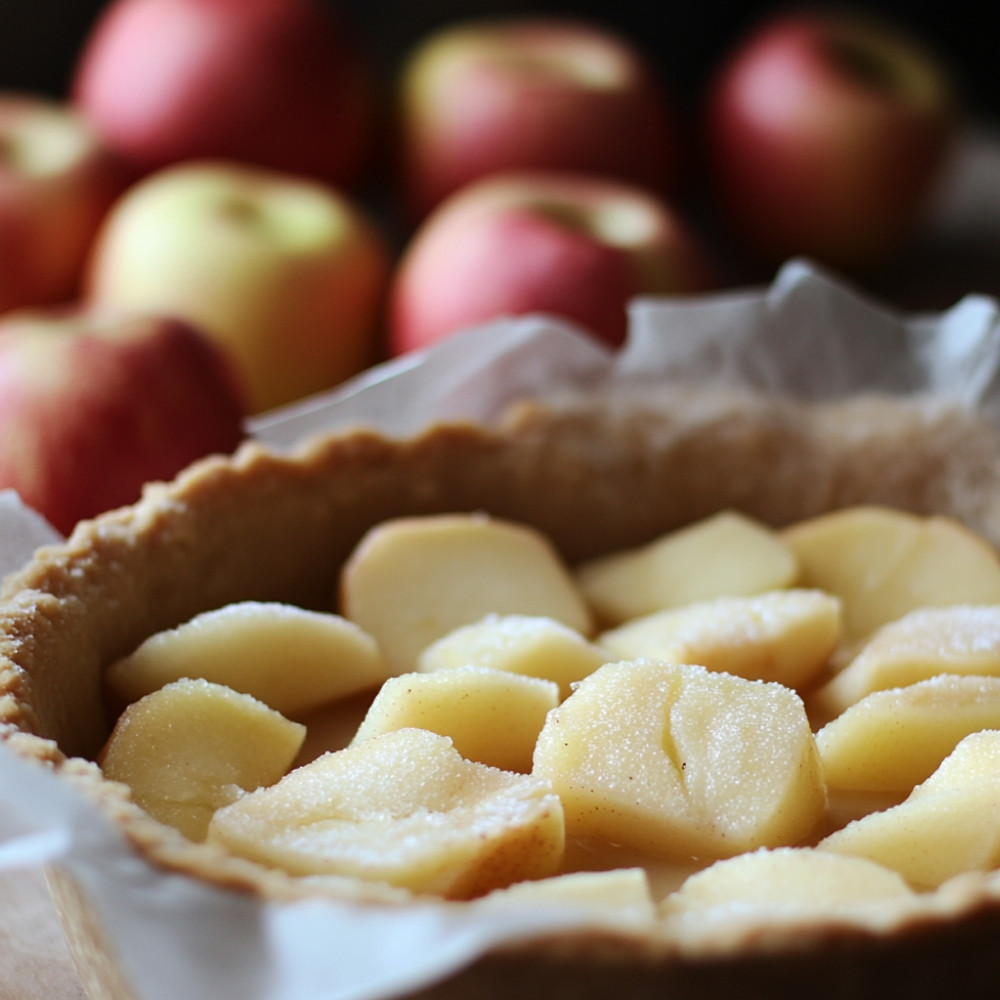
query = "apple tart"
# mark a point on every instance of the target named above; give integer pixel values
(772, 577)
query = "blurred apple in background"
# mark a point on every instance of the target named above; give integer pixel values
(572, 245)
(826, 133)
(92, 406)
(57, 180)
(286, 274)
(529, 93)
(280, 83)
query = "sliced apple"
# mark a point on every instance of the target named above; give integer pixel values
(948, 825)
(491, 716)
(531, 645)
(782, 635)
(891, 740)
(726, 554)
(963, 639)
(794, 882)
(193, 746)
(405, 809)
(622, 894)
(677, 761)
(883, 563)
(414, 579)
(293, 659)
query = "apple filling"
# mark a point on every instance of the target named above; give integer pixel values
(674, 728)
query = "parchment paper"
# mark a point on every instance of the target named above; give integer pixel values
(806, 334)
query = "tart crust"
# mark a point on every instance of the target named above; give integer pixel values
(596, 473)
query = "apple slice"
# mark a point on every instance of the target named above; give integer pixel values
(406, 809)
(948, 825)
(787, 882)
(783, 635)
(491, 716)
(891, 740)
(962, 639)
(293, 659)
(531, 645)
(883, 563)
(677, 761)
(414, 579)
(726, 554)
(622, 895)
(190, 747)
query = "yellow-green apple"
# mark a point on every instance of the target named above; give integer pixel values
(287, 274)
(57, 180)
(825, 134)
(572, 245)
(530, 92)
(281, 83)
(94, 405)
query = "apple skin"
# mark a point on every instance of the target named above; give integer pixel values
(571, 245)
(57, 181)
(530, 93)
(825, 134)
(279, 83)
(95, 405)
(287, 274)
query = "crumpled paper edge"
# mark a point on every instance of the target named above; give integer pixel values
(806, 335)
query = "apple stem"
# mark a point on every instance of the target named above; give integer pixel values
(863, 63)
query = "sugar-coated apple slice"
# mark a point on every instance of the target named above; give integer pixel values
(532, 645)
(621, 894)
(492, 716)
(405, 809)
(290, 658)
(192, 746)
(892, 740)
(678, 761)
(948, 825)
(782, 635)
(883, 563)
(963, 639)
(414, 579)
(793, 882)
(725, 554)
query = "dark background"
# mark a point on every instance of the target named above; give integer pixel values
(40, 39)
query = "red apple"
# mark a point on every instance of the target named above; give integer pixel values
(826, 133)
(288, 275)
(57, 180)
(572, 245)
(280, 83)
(530, 93)
(92, 406)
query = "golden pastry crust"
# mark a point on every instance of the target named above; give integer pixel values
(596, 473)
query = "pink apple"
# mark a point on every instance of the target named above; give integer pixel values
(92, 406)
(57, 180)
(280, 83)
(572, 245)
(826, 133)
(530, 93)
(288, 275)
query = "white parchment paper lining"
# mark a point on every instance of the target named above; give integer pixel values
(807, 334)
